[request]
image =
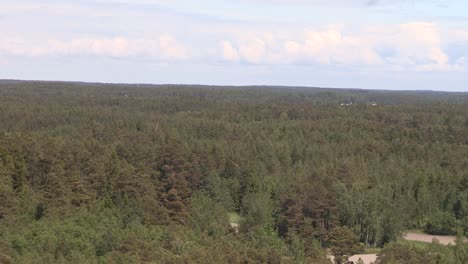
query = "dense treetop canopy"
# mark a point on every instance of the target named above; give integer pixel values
(143, 173)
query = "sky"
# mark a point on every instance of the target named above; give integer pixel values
(370, 44)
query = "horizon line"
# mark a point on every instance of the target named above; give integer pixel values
(228, 85)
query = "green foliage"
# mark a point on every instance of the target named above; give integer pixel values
(441, 223)
(208, 216)
(124, 174)
(257, 210)
(395, 253)
(343, 243)
(221, 190)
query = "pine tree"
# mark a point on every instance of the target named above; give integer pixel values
(343, 243)
(7, 194)
(176, 193)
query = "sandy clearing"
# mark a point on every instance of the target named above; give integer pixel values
(413, 236)
(444, 240)
(366, 258)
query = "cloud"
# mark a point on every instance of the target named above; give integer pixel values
(418, 43)
(19, 47)
(332, 46)
(329, 46)
(229, 53)
(171, 48)
(164, 47)
(254, 50)
(417, 46)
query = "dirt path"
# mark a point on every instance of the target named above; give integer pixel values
(444, 240)
(366, 258)
(371, 258)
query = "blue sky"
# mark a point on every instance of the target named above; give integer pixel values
(378, 44)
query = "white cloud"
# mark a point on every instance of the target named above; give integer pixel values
(416, 43)
(171, 48)
(328, 46)
(229, 52)
(18, 46)
(118, 47)
(332, 46)
(292, 48)
(417, 46)
(164, 47)
(254, 50)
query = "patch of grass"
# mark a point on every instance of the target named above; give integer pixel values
(234, 217)
(418, 231)
(372, 251)
(417, 244)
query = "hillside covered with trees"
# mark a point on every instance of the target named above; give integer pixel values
(94, 173)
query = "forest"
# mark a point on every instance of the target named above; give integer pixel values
(121, 173)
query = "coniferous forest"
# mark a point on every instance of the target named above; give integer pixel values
(95, 173)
